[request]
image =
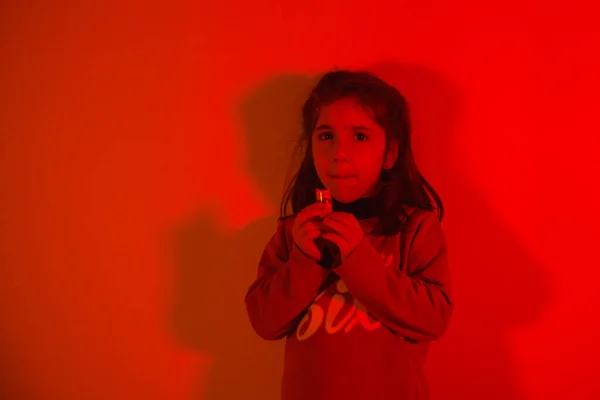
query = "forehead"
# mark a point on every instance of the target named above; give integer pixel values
(346, 110)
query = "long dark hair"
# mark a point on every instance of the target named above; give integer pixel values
(401, 187)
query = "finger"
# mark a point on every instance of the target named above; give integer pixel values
(312, 248)
(320, 209)
(336, 239)
(341, 217)
(312, 233)
(335, 225)
(316, 206)
(313, 211)
(310, 226)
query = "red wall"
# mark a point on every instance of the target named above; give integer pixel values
(142, 154)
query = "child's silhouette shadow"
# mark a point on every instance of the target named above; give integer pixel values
(496, 284)
(216, 268)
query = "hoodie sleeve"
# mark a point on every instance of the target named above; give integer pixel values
(413, 301)
(287, 282)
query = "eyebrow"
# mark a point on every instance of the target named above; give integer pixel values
(324, 127)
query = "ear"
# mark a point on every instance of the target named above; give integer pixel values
(391, 154)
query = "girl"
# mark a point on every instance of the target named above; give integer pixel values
(360, 291)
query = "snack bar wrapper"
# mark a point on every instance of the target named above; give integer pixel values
(324, 196)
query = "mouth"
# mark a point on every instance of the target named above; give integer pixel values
(341, 177)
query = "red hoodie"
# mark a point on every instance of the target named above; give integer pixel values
(362, 329)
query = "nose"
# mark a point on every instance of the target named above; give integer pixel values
(340, 152)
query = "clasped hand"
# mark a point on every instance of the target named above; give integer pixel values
(338, 228)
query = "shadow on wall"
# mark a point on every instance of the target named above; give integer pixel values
(214, 269)
(496, 285)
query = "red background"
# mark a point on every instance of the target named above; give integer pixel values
(143, 149)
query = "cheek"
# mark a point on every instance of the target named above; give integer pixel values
(373, 160)
(321, 165)
(319, 155)
(370, 173)
(372, 165)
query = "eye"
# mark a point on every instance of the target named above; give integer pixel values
(361, 136)
(325, 136)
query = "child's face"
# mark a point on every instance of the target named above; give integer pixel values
(349, 150)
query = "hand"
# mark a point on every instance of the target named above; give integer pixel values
(308, 227)
(343, 230)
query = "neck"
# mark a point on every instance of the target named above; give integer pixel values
(361, 209)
